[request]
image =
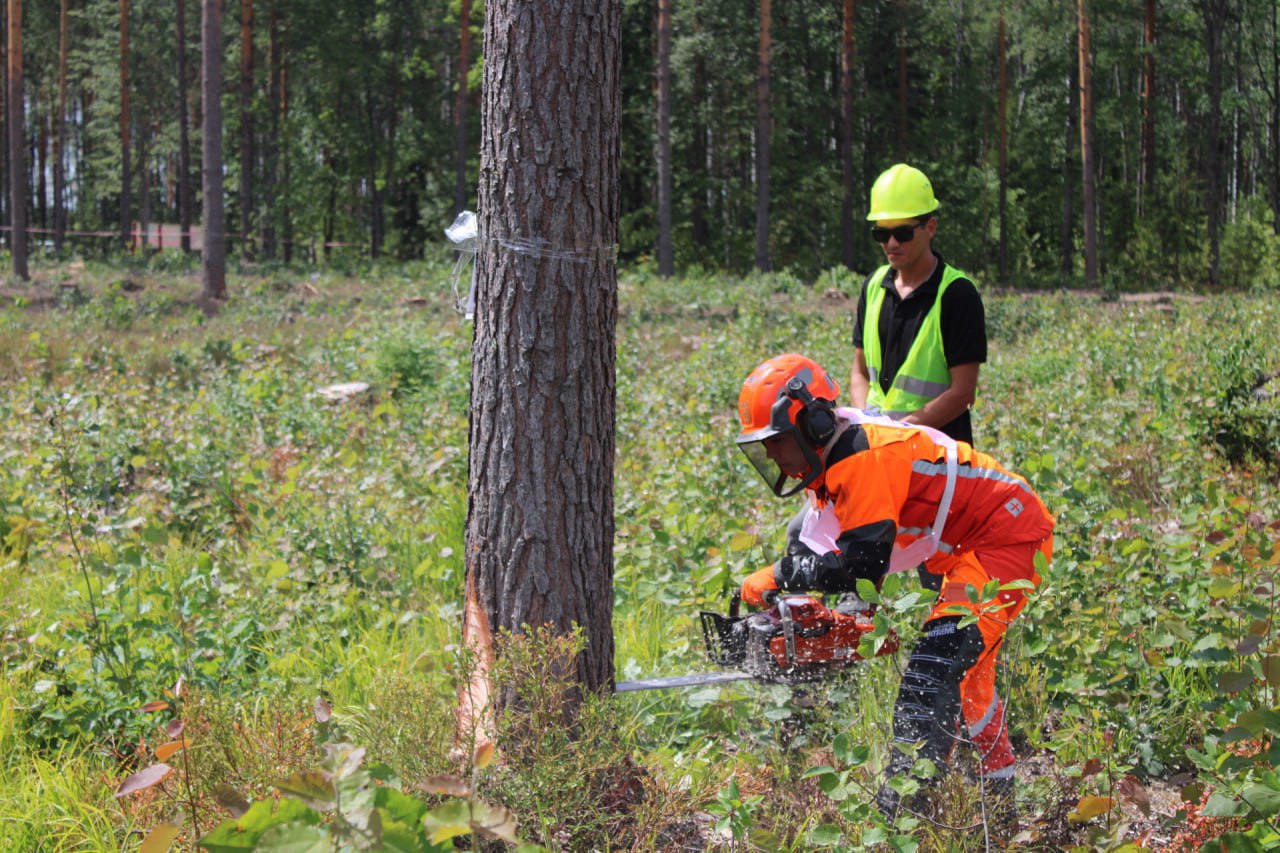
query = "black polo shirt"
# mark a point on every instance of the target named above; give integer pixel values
(963, 323)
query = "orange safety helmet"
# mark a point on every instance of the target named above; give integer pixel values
(786, 410)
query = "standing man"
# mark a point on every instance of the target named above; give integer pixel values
(920, 332)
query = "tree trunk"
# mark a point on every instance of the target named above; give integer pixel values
(848, 192)
(214, 260)
(1090, 211)
(17, 165)
(700, 201)
(1003, 118)
(185, 189)
(764, 121)
(461, 187)
(666, 262)
(126, 120)
(246, 129)
(1147, 181)
(60, 136)
(1275, 117)
(904, 9)
(271, 156)
(539, 541)
(1214, 13)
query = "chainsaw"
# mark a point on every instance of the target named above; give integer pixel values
(796, 640)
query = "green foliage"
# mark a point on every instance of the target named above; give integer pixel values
(181, 505)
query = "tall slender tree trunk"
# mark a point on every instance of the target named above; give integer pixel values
(246, 129)
(1214, 13)
(1275, 117)
(847, 190)
(1003, 118)
(1069, 135)
(461, 187)
(539, 540)
(1087, 166)
(286, 212)
(17, 165)
(666, 261)
(4, 112)
(764, 122)
(700, 201)
(186, 191)
(214, 260)
(904, 9)
(60, 136)
(126, 121)
(1146, 185)
(271, 156)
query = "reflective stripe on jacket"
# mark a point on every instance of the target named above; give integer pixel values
(924, 374)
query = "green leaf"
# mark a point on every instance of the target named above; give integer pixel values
(1223, 806)
(1234, 681)
(825, 835)
(867, 591)
(1233, 842)
(234, 836)
(742, 541)
(1271, 670)
(1263, 799)
(295, 838)
(311, 787)
(448, 821)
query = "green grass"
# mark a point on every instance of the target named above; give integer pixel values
(230, 527)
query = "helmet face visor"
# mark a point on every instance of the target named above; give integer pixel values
(783, 461)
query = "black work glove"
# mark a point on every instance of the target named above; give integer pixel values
(801, 572)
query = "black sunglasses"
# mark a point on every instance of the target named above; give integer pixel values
(902, 233)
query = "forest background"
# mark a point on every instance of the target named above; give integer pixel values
(351, 130)
(217, 564)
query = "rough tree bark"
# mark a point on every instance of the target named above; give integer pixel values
(1003, 119)
(214, 256)
(60, 136)
(539, 540)
(764, 119)
(126, 120)
(246, 129)
(17, 159)
(1147, 182)
(847, 194)
(666, 264)
(461, 191)
(185, 189)
(1087, 168)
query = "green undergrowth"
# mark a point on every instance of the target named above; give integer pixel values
(195, 517)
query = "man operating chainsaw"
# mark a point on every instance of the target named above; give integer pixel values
(885, 496)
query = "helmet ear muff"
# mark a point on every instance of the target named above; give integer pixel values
(816, 420)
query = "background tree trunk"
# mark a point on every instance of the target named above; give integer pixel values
(271, 158)
(461, 186)
(246, 129)
(1147, 180)
(539, 541)
(126, 142)
(666, 262)
(764, 120)
(1214, 13)
(1087, 166)
(1002, 118)
(60, 136)
(904, 10)
(214, 260)
(17, 167)
(185, 189)
(847, 189)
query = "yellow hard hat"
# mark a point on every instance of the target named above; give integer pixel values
(901, 192)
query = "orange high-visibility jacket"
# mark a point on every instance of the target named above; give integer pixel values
(885, 483)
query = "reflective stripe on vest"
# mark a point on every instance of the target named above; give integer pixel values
(924, 374)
